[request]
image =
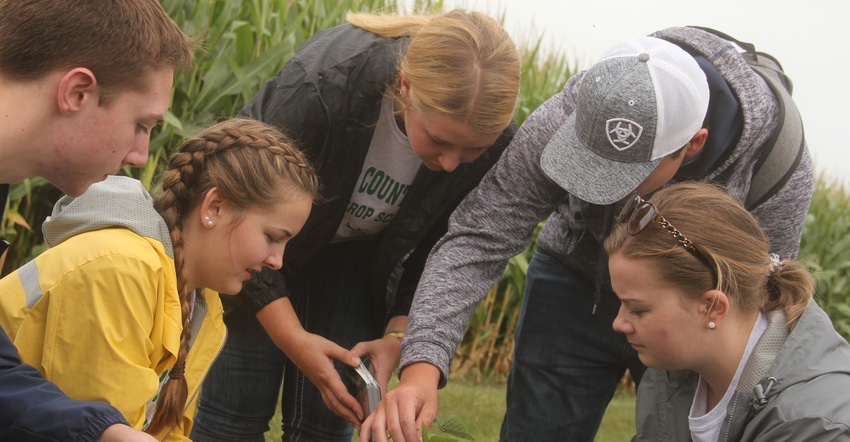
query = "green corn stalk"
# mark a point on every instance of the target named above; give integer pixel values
(825, 250)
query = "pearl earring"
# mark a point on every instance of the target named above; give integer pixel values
(208, 221)
(711, 325)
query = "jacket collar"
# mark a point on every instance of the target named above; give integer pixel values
(115, 202)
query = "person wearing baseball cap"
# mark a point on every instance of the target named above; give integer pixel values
(680, 105)
(647, 100)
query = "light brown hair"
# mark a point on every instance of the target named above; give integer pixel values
(120, 41)
(730, 237)
(249, 162)
(461, 64)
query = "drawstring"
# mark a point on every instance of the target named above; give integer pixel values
(602, 261)
(761, 392)
(601, 272)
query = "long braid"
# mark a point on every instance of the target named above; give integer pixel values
(248, 161)
(173, 203)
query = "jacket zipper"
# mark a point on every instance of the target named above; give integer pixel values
(198, 388)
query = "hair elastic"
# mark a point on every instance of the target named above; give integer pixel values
(176, 371)
(775, 263)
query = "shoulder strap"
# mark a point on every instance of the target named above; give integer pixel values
(780, 155)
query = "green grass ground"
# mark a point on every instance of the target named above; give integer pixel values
(480, 406)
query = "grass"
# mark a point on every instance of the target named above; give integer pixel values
(481, 406)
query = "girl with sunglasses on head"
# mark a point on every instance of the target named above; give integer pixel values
(736, 347)
(123, 307)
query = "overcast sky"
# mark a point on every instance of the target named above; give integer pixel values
(808, 37)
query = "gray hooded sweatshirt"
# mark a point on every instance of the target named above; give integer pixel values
(496, 220)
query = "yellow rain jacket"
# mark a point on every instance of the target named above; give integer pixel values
(98, 313)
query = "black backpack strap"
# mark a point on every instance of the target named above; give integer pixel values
(780, 155)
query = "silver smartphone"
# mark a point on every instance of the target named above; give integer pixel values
(364, 387)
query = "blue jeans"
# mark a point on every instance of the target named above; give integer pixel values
(567, 362)
(331, 297)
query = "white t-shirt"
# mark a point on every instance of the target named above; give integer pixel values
(388, 171)
(706, 426)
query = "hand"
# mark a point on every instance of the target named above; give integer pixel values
(124, 433)
(404, 409)
(314, 355)
(384, 355)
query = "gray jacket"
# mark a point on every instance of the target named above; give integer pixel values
(795, 387)
(496, 220)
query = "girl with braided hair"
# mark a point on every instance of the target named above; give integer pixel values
(736, 348)
(123, 307)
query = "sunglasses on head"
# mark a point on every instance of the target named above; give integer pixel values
(638, 214)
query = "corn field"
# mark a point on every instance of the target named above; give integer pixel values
(245, 42)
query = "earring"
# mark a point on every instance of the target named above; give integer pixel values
(401, 91)
(712, 325)
(208, 221)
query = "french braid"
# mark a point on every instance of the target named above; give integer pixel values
(248, 161)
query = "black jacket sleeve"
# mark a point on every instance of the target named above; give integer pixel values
(34, 409)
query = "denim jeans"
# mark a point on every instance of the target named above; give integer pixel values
(567, 362)
(239, 395)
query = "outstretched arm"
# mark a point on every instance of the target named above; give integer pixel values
(314, 355)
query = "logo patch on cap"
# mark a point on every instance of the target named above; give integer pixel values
(623, 133)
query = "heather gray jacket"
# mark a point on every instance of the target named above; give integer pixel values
(795, 387)
(496, 220)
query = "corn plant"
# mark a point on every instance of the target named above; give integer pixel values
(542, 77)
(825, 250)
(244, 43)
(30, 202)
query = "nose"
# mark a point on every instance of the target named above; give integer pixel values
(621, 325)
(275, 260)
(138, 155)
(449, 160)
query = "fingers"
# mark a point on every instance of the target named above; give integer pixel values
(376, 419)
(338, 400)
(411, 424)
(375, 426)
(347, 357)
(401, 414)
(362, 348)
